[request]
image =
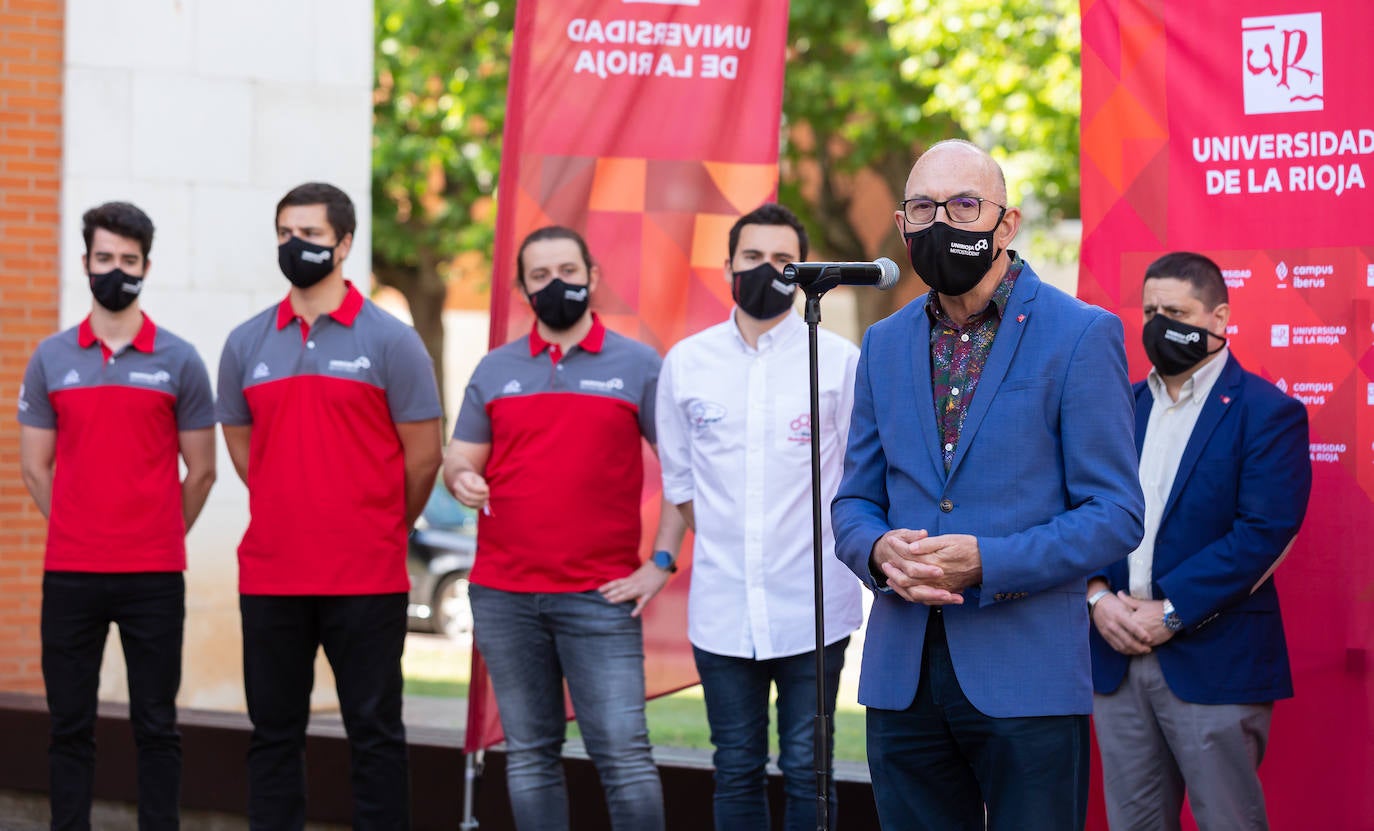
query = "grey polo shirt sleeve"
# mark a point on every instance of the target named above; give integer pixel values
(35, 410)
(195, 401)
(412, 394)
(648, 399)
(231, 408)
(473, 424)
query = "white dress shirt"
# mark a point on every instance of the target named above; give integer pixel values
(734, 439)
(1166, 435)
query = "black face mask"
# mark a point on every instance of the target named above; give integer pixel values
(305, 263)
(761, 292)
(560, 305)
(115, 290)
(952, 260)
(1175, 347)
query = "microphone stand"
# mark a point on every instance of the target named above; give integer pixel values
(829, 278)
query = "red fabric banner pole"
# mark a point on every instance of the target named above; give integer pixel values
(1242, 129)
(649, 126)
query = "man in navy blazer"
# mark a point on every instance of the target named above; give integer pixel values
(1189, 653)
(989, 471)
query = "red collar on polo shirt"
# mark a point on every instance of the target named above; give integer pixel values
(592, 342)
(346, 313)
(143, 341)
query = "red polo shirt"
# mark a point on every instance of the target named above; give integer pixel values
(566, 469)
(116, 494)
(326, 469)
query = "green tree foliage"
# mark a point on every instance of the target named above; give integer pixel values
(869, 84)
(438, 111)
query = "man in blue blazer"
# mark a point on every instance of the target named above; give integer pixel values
(1188, 653)
(989, 471)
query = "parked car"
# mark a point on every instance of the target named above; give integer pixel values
(439, 558)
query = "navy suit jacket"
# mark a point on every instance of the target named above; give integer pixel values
(1044, 476)
(1237, 501)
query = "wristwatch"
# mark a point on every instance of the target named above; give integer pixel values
(1096, 596)
(664, 560)
(1172, 621)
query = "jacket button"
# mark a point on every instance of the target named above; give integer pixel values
(946, 505)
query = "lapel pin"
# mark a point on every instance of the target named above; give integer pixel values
(1226, 399)
(1020, 318)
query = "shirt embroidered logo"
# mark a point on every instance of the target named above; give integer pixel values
(71, 378)
(705, 413)
(512, 387)
(162, 376)
(800, 428)
(602, 386)
(261, 371)
(354, 366)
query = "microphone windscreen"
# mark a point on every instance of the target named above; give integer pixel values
(890, 273)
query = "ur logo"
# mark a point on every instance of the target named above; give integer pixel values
(1282, 384)
(1281, 272)
(1281, 63)
(1278, 335)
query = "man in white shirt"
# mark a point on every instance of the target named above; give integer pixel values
(1188, 647)
(735, 434)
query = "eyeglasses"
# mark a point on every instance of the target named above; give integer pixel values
(958, 209)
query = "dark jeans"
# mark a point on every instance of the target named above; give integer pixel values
(736, 692)
(936, 764)
(531, 644)
(78, 608)
(363, 637)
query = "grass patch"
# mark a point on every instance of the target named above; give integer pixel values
(437, 688)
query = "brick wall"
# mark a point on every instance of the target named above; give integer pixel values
(31, 34)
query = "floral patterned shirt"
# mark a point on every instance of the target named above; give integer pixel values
(958, 354)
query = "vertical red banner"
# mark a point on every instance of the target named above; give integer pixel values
(649, 126)
(1242, 129)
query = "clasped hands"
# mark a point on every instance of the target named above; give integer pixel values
(1128, 624)
(928, 570)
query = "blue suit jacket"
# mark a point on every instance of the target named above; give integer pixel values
(1044, 476)
(1237, 501)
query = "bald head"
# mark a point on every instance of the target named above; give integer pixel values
(959, 160)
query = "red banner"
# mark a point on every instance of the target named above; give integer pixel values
(1242, 129)
(649, 126)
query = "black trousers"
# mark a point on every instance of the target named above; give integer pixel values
(363, 637)
(149, 608)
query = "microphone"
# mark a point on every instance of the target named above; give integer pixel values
(882, 273)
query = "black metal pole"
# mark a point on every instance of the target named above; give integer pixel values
(822, 734)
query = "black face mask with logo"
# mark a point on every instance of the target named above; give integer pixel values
(305, 263)
(761, 292)
(560, 305)
(952, 260)
(1175, 347)
(115, 290)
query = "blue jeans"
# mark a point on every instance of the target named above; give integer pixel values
(78, 608)
(531, 642)
(736, 692)
(938, 763)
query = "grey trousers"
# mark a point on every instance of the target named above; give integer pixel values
(1155, 746)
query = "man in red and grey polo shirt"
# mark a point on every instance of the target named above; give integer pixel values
(331, 415)
(549, 445)
(106, 409)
